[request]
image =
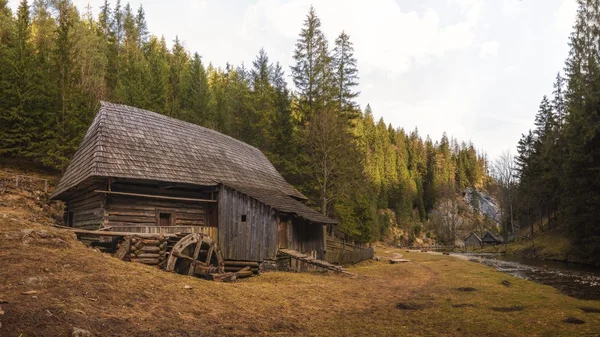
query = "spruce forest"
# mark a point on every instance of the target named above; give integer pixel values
(558, 162)
(57, 64)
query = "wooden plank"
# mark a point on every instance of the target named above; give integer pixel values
(119, 204)
(153, 196)
(110, 233)
(124, 249)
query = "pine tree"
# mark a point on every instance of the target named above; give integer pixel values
(312, 71)
(262, 113)
(158, 79)
(178, 65)
(196, 96)
(142, 26)
(346, 77)
(558, 102)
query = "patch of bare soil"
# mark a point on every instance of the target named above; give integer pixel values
(508, 309)
(466, 289)
(573, 320)
(464, 305)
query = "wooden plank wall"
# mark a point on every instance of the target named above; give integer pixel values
(306, 238)
(87, 208)
(128, 211)
(340, 252)
(253, 240)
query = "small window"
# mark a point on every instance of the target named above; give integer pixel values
(243, 217)
(165, 219)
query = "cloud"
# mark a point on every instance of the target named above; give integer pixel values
(385, 36)
(512, 8)
(564, 17)
(489, 48)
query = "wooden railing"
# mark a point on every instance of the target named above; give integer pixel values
(212, 232)
(341, 252)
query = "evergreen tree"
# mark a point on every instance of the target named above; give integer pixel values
(262, 113)
(558, 102)
(158, 79)
(312, 73)
(346, 76)
(196, 96)
(142, 26)
(178, 66)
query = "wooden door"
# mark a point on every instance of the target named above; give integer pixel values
(282, 229)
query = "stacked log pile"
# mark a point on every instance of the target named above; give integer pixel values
(147, 250)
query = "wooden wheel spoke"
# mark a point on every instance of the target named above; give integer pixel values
(195, 257)
(209, 254)
(183, 256)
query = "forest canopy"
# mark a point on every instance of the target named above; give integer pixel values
(56, 64)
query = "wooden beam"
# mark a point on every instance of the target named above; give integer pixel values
(153, 196)
(107, 233)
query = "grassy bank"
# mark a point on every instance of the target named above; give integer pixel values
(549, 245)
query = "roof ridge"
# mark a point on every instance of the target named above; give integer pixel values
(177, 121)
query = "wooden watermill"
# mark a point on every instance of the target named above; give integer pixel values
(196, 254)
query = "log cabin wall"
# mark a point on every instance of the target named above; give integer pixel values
(247, 227)
(127, 213)
(86, 209)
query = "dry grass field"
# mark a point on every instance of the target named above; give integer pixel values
(51, 283)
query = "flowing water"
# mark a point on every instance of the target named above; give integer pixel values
(579, 281)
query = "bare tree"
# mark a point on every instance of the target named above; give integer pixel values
(447, 216)
(331, 155)
(503, 172)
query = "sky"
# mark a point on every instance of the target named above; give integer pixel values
(475, 69)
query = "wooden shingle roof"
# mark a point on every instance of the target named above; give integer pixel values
(474, 235)
(284, 203)
(128, 142)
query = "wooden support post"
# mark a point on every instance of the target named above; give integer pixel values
(324, 242)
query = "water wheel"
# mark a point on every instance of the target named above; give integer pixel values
(196, 254)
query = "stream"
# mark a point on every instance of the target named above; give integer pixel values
(576, 280)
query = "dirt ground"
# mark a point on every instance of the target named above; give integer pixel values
(50, 283)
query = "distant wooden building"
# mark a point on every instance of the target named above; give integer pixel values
(490, 238)
(139, 171)
(472, 241)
